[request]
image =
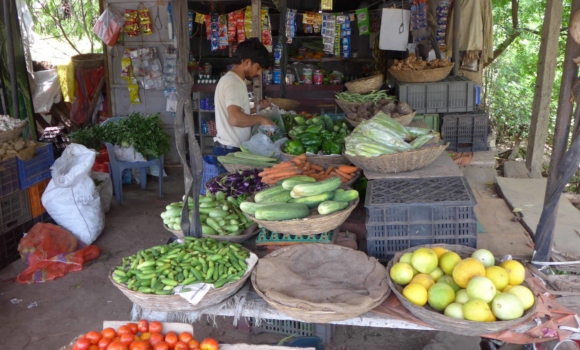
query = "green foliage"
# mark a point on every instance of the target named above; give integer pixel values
(143, 132)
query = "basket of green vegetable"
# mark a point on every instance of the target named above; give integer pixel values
(300, 207)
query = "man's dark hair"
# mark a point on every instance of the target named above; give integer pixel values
(252, 49)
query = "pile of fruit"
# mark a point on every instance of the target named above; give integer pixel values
(160, 269)
(294, 198)
(474, 289)
(317, 134)
(141, 336)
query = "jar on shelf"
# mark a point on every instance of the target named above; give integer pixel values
(307, 75)
(318, 77)
(277, 76)
(289, 77)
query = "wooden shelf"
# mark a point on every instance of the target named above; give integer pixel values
(324, 60)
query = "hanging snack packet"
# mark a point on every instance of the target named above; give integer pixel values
(346, 33)
(223, 32)
(266, 31)
(241, 31)
(308, 20)
(190, 18)
(338, 35)
(328, 33)
(362, 21)
(248, 22)
(145, 22)
(316, 26)
(214, 32)
(126, 65)
(232, 27)
(207, 21)
(290, 25)
(133, 92)
(131, 25)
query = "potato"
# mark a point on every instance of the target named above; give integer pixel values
(368, 105)
(354, 108)
(2, 152)
(19, 145)
(395, 115)
(403, 108)
(30, 143)
(366, 115)
(352, 116)
(383, 101)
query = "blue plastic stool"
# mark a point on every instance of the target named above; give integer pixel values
(210, 170)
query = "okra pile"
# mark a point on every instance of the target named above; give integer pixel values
(158, 270)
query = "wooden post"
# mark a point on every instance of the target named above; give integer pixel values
(543, 88)
(257, 33)
(456, 34)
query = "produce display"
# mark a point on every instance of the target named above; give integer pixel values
(219, 215)
(384, 135)
(367, 110)
(289, 119)
(316, 134)
(246, 158)
(8, 124)
(301, 166)
(474, 289)
(293, 198)
(160, 269)
(412, 63)
(374, 96)
(143, 335)
(238, 184)
(9, 149)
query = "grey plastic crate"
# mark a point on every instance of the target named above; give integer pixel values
(466, 132)
(452, 94)
(9, 243)
(287, 327)
(403, 213)
(14, 210)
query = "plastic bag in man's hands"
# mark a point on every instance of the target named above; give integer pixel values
(261, 145)
(71, 197)
(108, 27)
(275, 134)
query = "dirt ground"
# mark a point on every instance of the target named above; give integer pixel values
(50, 315)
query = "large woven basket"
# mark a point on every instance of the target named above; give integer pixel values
(421, 76)
(247, 234)
(285, 103)
(235, 167)
(12, 134)
(313, 224)
(399, 162)
(364, 85)
(319, 314)
(90, 60)
(403, 120)
(175, 303)
(444, 323)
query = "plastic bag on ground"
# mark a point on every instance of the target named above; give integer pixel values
(71, 197)
(262, 145)
(51, 252)
(105, 187)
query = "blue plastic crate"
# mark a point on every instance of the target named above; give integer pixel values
(36, 169)
(210, 170)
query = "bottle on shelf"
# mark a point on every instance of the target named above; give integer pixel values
(277, 55)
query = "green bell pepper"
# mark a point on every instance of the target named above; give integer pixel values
(330, 147)
(313, 149)
(300, 120)
(318, 121)
(328, 123)
(300, 129)
(309, 139)
(294, 147)
(314, 129)
(309, 121)
(326, 136)
(292, 133)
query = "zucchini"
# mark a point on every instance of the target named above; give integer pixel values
(280, 197)
(260, 196)
(289, 184)
(286, 211)
(304, 178)
(313, 201)
(330, 207)
(251, 207)
(254, 157)
(206, 230)
(345, 196)
(244, 161)
(307, 190)
(218, 213)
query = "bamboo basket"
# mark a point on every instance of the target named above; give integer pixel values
(235, 167)
(175, 303)
(244, 236)
(89, 60)
(403, 120)
(449, 324)
(12, 134)
(399, 162)
(324, 161)
(364, 85)
(421, 76)
(313, 224)
(285, 103)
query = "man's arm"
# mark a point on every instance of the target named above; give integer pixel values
(237, 118)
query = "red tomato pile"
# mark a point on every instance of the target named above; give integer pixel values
(142, 336)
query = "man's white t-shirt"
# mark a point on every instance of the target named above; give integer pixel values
(231, 90)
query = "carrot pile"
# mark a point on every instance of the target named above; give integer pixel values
(301, 166)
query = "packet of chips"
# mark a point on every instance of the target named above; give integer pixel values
(248, 22)
(207, 21)
(266, 30)
(131, 26)
(223, 32)
(232, 27)
(133, 92)
(362, 21)
(240, 28)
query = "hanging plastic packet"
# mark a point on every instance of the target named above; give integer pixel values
(308, 20)
(290, 25)
(442, 15)
(232, 27)
(266, 29)
(317, 25)
(214, 32)
(340, 20)
(171, 102)
(362, 21)
(346, 33)
(126, 65)
(248, 22)
(133, 92)
(108, 27)
(170, 71)
(223, 32)
(131, 25)
(145, 22)
(138, 67)
(241, 30)
(207, 21)
(199, 18)
(328, 33)
(190, 19)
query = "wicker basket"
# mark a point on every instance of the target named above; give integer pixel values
(90, 60)
(285, 103)
(12, 134)
(403, 120)
(247, 234)
(313, 224)
(399, 162)
(235, 167)
(449, 324)
(316, 316)
(175, 303)
(364, 85)
(421, 76)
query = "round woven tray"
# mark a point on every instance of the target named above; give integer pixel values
(399, 162)
(285, 103)
(403, 120)
(235, 167)
(364, 85)
(421, 76)
(90, 60)
(449, 324)
(175, 303)
(12, 134)
(247, 234)
(314, 224)
(321, 315)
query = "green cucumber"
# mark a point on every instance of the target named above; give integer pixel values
(330, 207)
(280, 197)
(345, 196)
(218, 213)
(314, 201)
(250, 207)
(289, 184)
(286, 211)
(260, 196)
(303, 178)
(206, 230)
(307, 190)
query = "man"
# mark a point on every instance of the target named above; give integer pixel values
(232, 105)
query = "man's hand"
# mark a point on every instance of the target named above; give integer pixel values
(266, 121)
(265, 103)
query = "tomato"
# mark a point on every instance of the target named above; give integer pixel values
(209, 344)
(124, 330)
(143, 326)
(180, 345)
(193, 345)
(117, 345)
(116, 339)
(94, 347)
(145, 336)
(156, 338)
(83, 344)
(103, 343)
(127, 338)
(185, 337)
(161, 346)
(139, 345)
(171, 339)
(109, 333)
(133, 327)
(93, 337)
(155, 327)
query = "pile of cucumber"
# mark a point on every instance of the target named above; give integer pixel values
(219, 215)
(293, 198)
(160, 269)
